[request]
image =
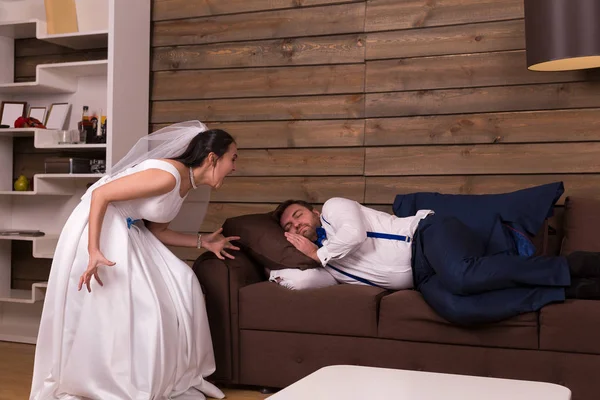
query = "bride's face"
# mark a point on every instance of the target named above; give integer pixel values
(224, 166)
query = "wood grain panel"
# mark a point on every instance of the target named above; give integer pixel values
(300, 162)
(218, 212)
(258, 82)
(513, 127)
(539, 158)
(188, 220)
(290, 134)
(32, 269)
(24, 145)
(278, 189)
(25, 66)
(343, 49)
(459, 71)
(36, 47)
(173, 9)
(461, 39)
(491, 99)
(24, 284)
(382, 190)
(345, 18)
(384, 15)
(446, 90)
(29, 164)
(27, 270)
(260, 109)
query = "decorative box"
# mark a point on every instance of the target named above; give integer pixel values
(67, 165)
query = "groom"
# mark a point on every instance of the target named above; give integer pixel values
(359, 245)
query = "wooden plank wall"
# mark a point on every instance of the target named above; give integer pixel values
(368, 99)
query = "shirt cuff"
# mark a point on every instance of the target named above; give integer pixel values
(323, 255)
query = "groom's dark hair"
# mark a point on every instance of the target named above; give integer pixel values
(281, 208)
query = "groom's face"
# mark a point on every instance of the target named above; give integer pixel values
(299, 219)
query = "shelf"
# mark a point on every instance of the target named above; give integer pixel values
(68, 176)
(78, 40)
(57, 78)
(35, 28)
(54, 185)
(26, 296)
(43, 246)
(17, 132)
(118, 85)
(30, 193)
(29, 238)
(48, 139)
(19, 333)
(81, 146)
(19, 29)
(77, 68)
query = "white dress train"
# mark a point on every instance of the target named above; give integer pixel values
(145, 334)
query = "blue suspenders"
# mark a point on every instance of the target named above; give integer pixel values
(388, 236)
(356, 278)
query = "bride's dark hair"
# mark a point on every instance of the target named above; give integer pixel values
(211, 141)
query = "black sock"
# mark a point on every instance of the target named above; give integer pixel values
(584, 264)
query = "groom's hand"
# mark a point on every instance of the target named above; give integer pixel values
(301, 243)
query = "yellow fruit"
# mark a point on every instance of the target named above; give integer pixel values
(22, 184)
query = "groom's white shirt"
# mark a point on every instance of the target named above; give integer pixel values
(384, 262)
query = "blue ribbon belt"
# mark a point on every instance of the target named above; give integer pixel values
(131, 222)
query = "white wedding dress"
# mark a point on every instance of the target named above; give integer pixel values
(144, 334)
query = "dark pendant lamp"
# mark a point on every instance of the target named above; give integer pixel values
(562, 35)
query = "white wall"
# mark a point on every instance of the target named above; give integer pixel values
(15, 10)
(92, 15)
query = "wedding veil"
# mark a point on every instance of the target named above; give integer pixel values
(168, 142)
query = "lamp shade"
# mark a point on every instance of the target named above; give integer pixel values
(562, 35)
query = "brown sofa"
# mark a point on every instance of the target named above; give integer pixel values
(266, 335)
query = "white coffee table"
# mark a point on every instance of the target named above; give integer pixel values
(349, 382)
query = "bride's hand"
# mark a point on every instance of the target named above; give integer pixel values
(97, 259)
(217, 243)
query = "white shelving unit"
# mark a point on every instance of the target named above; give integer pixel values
(37, 28)
(37, 292)
(118, 85)
(57, 78)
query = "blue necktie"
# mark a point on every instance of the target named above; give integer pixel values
(321, 235)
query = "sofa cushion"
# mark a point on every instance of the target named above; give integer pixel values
(405, 315)
(336, 310)
(571, 326)
(581, 225)
(263, 240)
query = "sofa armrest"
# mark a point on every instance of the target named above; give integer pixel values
(221, 281)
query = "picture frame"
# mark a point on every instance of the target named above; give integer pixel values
(38, 113)
(57, 116)
(10, 111)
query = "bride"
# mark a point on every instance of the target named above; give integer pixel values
(123, 317)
